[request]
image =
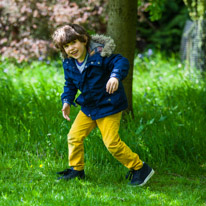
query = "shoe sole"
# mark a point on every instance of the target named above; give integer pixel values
(147, 178)
(145, 181)
(67, 179)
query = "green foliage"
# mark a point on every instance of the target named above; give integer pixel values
(196, 9)
(166, 33)
(154, 7)
(167, 131)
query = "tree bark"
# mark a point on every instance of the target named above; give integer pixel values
(196, 45)
(122, 28)
(197, 53)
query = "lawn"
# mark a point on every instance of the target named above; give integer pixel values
(167, 131)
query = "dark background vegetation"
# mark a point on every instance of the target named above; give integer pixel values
(26, 26)
(163, 34)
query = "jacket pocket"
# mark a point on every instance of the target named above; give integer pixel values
(111, 100)
(80, 100)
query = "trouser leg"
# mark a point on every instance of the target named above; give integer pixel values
(109, 127)
(81, 127)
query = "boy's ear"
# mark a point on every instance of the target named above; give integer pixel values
(86, 39)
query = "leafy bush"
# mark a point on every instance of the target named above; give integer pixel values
(164, 33)
(26, 26)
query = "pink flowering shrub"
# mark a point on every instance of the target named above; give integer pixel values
(26, 25)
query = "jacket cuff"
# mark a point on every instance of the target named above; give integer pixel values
(115, 75)
(68, 102)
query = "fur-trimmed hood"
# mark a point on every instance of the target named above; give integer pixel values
(103, 44)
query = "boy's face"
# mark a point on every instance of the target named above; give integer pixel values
(76, 50)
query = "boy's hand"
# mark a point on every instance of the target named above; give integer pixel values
(66, 111)
(112, 85)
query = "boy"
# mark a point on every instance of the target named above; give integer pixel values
(90, 66)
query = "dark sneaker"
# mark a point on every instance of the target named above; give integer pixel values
(71, 174)
(141, 176)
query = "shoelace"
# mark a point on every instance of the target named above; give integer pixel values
(129, 175)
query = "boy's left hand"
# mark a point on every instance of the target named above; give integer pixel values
(112, 85)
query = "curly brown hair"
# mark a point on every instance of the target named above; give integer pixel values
(69, 33)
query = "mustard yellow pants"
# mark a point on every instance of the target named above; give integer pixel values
(109, 127)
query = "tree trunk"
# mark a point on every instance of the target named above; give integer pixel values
(197, 53)
(122, 28)
(196, 35)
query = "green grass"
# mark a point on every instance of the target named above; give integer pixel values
(167, 131)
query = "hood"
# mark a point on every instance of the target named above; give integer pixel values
(103, 44)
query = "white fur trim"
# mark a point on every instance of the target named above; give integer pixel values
(108, 42)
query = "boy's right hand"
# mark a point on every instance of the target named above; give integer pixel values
(66, 111)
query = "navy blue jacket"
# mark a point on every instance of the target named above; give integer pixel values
(94, 100)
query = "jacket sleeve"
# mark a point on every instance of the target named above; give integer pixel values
(118, 66)
(69, 93)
